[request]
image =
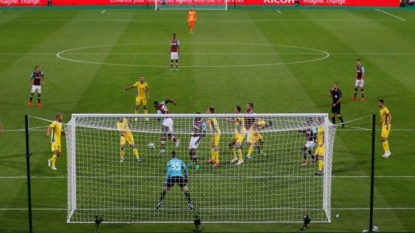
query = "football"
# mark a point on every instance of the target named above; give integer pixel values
(375, 229)
(151, 145)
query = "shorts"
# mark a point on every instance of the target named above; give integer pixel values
(140, 100)
(309, 145)
(36, 88)
(320, 151)
(359, 83)
(239, 137)
(56, 146)
(215, 140)
(194, 142)
(175, 180)
(174, 55)
(385, 132)
(191, 23)
(168, 122)
(128, 137)
(253, 139)
(336, 109)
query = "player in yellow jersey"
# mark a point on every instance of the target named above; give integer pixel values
(213, 126)
(255, 138)
(55, 130)
(143, 93)
(238, 137)
(385, 121)
(320, 146)
(191, 19)
(124, 129)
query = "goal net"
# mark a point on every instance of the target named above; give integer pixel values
(187, 4)
(273, 186)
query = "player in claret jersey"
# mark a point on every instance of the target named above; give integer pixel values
(191, 19)
(174, 52)
(167, 125)
(36, 80)
(360, 75)
(198, 132)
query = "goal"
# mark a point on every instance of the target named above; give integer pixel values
(187, 4)
(271, 187)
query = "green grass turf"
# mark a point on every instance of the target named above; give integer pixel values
(32, 37)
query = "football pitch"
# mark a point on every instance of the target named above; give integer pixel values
(283, 60)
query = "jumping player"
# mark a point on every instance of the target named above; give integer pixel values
(198, 132)
(167, 125)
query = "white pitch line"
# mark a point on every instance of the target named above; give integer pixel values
(103, 12)
(156, 177)
(333, 209)
(279, 12)
(276, 53)
(40, 209)
(392, 15)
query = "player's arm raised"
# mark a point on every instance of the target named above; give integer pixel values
(169, 101)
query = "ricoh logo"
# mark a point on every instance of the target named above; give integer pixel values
(279, 1)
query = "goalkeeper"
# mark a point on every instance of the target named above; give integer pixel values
(175, 175)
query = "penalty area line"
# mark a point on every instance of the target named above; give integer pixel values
(102, 12)
(384, 12)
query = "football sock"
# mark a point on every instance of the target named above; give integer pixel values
(251, 148)
(240, 153)
(333, 120)
(212, 153)
(341, 119)
(122, 153)
(187, 194)
(363, 94)
(53, 159)
(135, 152)
(163, 194)
(217, 156)
(320, 165)
(136, 111)
(233, 152)
(38, 98)
(385, 146)
(145, 111)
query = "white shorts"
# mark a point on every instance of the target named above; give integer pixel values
(36, 88)
(309, 145)
(194, 142)
(174, 55)
(359, 83)
(168, 122)
(247, 135)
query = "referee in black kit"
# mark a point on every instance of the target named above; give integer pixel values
(336, 93)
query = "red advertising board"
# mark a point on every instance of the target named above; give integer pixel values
(374, 3)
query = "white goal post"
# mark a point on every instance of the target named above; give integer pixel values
(272, 186)
(187, 4)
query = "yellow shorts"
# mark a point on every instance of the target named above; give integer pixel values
(215, 139)
(320, 150)
(253, 139)
(238, 137)
(56, 146)
(140, 100)
(385, 132)
(127, 138)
